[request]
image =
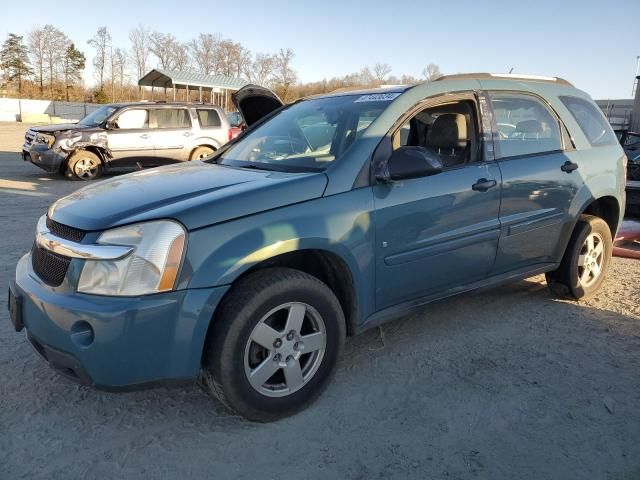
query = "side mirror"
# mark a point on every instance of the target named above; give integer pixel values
(410, 162)
(111, 124)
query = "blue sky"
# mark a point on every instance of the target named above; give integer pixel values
(593, 44)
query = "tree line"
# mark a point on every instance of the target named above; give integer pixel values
(47, 64)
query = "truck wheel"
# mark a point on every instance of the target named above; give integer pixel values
(273, 344)
(84, 165)
(201, 153)
(585, 262)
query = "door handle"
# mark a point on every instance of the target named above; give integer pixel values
(144, 135)
(483, 185)
(569, 166)
(187, 134)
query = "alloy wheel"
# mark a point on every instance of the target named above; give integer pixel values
(285, 349)
(86, 168)
(591, 260)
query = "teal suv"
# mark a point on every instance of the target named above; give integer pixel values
(325, 217)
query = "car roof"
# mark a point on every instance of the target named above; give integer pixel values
(516, 81)
(359, 91)
(163, 104)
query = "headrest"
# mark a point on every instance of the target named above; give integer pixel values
(448, 131)
(529, 126)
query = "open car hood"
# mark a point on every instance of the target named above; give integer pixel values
(255, 102)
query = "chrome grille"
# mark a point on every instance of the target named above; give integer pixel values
(63, 231)
(50, 267)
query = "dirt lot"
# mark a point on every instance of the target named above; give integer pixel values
(507, 383)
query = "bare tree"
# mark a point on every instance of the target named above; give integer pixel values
(284, 75)
(139, 54)
(181, 58)
(260, 71)
(102, 43)
(203, 51)
(163, 46)
(36, 43)
(55, 46)
(381, 71)
(232, 59)
(118, 65)
(431, 72)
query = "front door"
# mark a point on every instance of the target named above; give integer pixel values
(172, 134)
(129, 138)
(540, 178)
(438, 232)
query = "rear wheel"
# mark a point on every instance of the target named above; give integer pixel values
(84, 165)
(274, 344)
(585, 262)
(201, 153)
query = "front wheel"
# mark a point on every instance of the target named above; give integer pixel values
(84, 165)
(585, 262)
(274, 344)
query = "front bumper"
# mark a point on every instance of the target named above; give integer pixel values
(117, 343)
(41, 155)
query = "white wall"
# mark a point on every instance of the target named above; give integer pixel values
(12, 108)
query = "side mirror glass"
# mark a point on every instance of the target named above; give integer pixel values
(410, 162)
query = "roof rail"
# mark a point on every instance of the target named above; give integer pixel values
(511, 76)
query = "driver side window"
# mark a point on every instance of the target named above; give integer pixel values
(133, 119)
(449, 130)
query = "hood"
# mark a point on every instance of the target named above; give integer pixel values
(255, 102)
(58, 127)
(195, 193)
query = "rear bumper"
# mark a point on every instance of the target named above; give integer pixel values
(633, 193)
(117, 343)
(43, 157)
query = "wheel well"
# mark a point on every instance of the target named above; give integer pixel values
(606, 208)
(327, 267)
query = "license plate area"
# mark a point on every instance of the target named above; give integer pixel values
(14, 304)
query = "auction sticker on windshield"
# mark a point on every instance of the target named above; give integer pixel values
(377, 97)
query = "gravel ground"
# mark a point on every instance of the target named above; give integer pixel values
(504, 383)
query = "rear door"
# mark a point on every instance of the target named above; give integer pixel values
(172, 133)
(540, 178)
(129, 137)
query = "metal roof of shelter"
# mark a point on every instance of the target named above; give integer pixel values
(182, 80)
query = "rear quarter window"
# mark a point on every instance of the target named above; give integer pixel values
(208, 118)
(590, 120)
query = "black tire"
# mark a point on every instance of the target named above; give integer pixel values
(84, 165)
(565, 282)
(201, 153)
(250, 300)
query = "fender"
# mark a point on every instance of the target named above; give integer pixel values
(341, 224)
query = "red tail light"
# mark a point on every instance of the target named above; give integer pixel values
(230, 134)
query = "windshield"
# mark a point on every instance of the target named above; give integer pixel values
(309, 135)
(98, 117)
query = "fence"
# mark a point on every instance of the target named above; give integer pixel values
(22, 110)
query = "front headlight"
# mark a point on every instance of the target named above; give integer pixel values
(45, 139)
(152, 267)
